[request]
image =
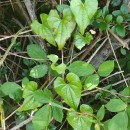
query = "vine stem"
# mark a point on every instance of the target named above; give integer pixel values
(116, 58)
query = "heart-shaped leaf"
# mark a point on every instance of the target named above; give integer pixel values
(83, 12)
(71, 91)
(43, 29)
(80, 121)
(62, 27)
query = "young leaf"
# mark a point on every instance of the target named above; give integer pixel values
(106, 68)
(119, 122)
(38, 71)
(91, 82)
(43, 29)
(71, 91)
(42, 118)
(101, 113)
(79, 121)
(62, 27)
(83, 12)
(53, 58)
(116, 105)
(36, 52)
(81, 68)
(80, 41)
(59, 68)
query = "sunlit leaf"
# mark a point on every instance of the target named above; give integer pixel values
(71, 91)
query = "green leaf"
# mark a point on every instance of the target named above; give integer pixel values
(71, 91)
(105, 124)
(120, 30)
(83, 12)
(43, 96)
(80, 41)
(61, 7)
(105, 11)
(115, 2)
(119, 19)
(36, 52)
(59, 68)
(108, 18)
(62, 27)
(53, 58)
(106, 68)
(30, 86)
(97, 126)
(116, 13)
(9, 88)
(116, 105)
(86, 108)
(42, 118)
(101, 113)
(81, 68)
(29, 126)
(25, 81)
(79, 121)
(124, 9)
(57, 112)
(34, 98)
(43, 29)
(123, 51)
(38, 71)
(119, 122)
(91, 82)
(103, 26)
(125, 92)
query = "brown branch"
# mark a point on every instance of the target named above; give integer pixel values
(31, 12)
(90, 47)
(30, 9)
(105, 52)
